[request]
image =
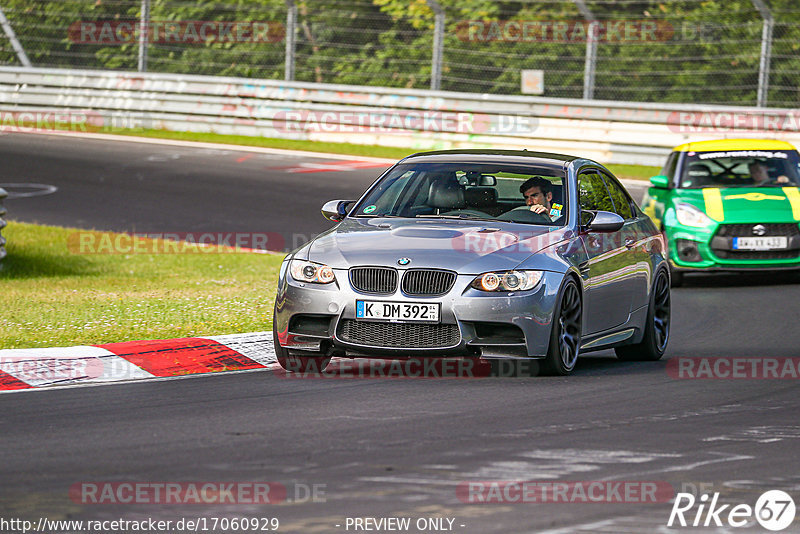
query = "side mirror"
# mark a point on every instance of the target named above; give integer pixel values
(336, 210)
(605, 222)
(660, 181)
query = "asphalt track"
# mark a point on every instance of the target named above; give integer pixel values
(385, 447)
(160, 189)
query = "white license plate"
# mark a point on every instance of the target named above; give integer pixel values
(760, 243)
(417, 312)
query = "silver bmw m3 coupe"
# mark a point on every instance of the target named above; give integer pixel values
(497, 254)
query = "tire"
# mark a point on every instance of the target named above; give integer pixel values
(565, 334)
(656, 332)
(295, 363)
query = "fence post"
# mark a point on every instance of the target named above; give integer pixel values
(438, 44)
(3, 196)
(590, 62)
(291, 32)
(766, 52)
(144, 35)
(12, 37)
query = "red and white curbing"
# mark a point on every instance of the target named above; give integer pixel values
(134, 360)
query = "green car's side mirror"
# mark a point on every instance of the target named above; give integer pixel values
(660, 181)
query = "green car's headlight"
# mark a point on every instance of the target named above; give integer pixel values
(507, 281)
(314, 273)
(688, 215)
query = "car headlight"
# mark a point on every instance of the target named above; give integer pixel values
(688, 215)
(507, 281)
(314, 273)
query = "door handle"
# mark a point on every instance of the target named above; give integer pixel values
(629, 243)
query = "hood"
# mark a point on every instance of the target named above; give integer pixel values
(468, 247)
(745, 204)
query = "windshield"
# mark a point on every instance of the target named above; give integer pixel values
(501, 192)
(740, 168)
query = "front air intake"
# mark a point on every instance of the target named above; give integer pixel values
(375, 280)
(427, 282)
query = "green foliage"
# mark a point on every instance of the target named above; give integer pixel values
(705, 52)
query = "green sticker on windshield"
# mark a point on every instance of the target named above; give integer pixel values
(370, 209)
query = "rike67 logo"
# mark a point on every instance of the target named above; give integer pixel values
(774, 510)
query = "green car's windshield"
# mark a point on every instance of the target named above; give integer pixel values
(469, 191)
(740, 168)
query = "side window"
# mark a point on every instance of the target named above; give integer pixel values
(670, 165)
(593, 195)
(622, 203)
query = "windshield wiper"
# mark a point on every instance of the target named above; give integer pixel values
(387, 216)
(459, 216)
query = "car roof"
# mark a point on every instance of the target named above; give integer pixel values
(514, 157)
(734, 144)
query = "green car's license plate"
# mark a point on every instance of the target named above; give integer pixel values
(760, 243)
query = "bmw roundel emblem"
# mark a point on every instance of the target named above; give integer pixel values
(403, 261)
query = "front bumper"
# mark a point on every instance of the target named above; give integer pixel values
(321, 318)
(702, 250)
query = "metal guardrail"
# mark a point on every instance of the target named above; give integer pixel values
(611, 132)
(3, 212)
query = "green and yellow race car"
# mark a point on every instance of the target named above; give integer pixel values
(728, 205)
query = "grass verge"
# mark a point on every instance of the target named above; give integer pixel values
(54, 297)
(634, 172)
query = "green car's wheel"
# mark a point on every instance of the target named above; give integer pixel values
(656, 332)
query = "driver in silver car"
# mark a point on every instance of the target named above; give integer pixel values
(538, 194)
